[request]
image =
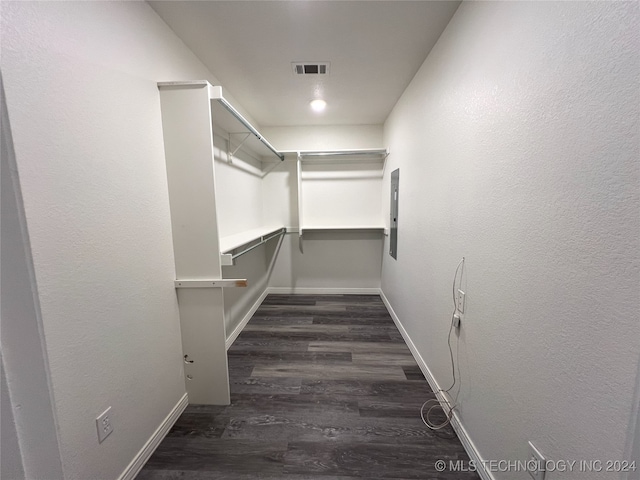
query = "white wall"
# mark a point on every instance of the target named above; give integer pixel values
(518, 148)
(239, 204)
(256, 266)
(238, 192)
(80, 80)
(324, 137)
(341, 193)
(280, 194)
(338, 261)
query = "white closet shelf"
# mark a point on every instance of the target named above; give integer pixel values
(233, 242)
(240, 133)
(364, 154)
(342, 227)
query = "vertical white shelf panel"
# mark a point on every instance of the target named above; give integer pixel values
(188, 140)
(192, 112)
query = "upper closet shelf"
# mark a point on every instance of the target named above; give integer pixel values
(342, 227)
(242, 135)
(364, 154)
(249, 239)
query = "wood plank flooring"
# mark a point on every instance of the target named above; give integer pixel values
(322, 387)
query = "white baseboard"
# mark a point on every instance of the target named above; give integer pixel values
(466, 441)
(147, 450)
(238, 330)
(323, 291)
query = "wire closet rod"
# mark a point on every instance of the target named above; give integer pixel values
(263, 239)
(249, 127)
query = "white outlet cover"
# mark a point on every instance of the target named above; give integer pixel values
(104, 425)
(536, 458)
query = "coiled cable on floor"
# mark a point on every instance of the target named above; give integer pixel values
(451, 404)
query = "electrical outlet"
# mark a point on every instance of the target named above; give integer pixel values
(461, 300)
(103, 422)
(536, 463)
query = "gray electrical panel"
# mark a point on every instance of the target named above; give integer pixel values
(393, 234)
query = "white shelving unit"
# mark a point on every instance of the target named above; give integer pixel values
(341, 190)
(192, 112)
(353, 201)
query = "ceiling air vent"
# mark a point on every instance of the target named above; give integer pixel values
(310, 68)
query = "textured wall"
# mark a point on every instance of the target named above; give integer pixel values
(80, 80)
(239, 208)
(325, 137)
(518, 148)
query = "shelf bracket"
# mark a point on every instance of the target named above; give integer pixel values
(230, 154)
(268, 171)
(217, 92)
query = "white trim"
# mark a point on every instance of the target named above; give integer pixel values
(466, 441)
(147, 450)
(323, 291)
(236, 331)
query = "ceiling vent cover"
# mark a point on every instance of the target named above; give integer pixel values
(310, 68)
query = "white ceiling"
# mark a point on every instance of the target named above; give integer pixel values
(375, 48)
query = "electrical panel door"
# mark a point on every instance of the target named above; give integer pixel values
(393, 234)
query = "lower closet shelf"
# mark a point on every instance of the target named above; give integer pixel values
(250, 238)
(342, 227)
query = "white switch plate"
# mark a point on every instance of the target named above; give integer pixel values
(536, 458)
(103, 422)
(461, 301)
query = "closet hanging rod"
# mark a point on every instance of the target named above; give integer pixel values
(212, 283)
(264, 239)
(248, 126)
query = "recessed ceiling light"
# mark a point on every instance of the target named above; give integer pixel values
(318, 105)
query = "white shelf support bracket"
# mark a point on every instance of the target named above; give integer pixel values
(230, 154)
(270, 169)
(384, 163)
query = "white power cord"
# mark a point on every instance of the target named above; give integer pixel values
(434, 402)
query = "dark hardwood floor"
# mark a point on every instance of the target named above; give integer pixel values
(322, 387)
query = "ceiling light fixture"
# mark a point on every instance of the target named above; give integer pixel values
(318, 105)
